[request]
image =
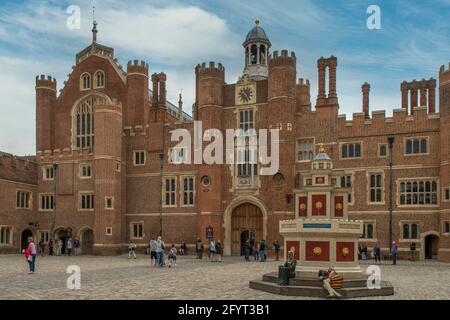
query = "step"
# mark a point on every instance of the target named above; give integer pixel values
(320, 292)
(314, 282)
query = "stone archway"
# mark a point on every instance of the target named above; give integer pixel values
(246, 224)
(61, 234)
(86, 236)
(428, 241)
(26, 233)
(256, 217)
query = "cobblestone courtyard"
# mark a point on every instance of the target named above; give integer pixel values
(120, 278)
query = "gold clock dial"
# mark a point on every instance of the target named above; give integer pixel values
(246, 94)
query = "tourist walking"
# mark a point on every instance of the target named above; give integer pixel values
(277, 247)
(31, 255)
(160, 252)
(199, 248)
(132, 250)
(377, 253)
(394, 250)
(50, 247)
(219, 250)
(76, 246)
(212, 250)
(247, 249)
(173, 256)
(42, 247)
(263, 251)
(364, 252)
(256, 251)
(153, 257)
(59, 246)
(69, 246)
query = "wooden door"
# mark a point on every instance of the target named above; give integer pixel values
(246, 218)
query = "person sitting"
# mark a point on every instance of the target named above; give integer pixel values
(291, 263)
(331, 281)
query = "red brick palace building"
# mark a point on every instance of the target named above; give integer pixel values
(111, 180)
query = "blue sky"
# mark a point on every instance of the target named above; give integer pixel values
(173, 36)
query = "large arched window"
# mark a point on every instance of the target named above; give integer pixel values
(83, 121)
(85, 81)
(99, 79)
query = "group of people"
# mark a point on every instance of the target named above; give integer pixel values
(376, 252)
(259, 250)
(157, 253)
(215, 250)
(32, 250)
(56, 247)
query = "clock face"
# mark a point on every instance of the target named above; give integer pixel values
(246, 94)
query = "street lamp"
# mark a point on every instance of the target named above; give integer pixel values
(161, 158)
(391, 143)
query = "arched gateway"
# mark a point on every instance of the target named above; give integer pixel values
(245, 219)
(246, 224)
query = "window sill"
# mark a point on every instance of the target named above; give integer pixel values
(415, 206)
(408, 240)
(367, 240)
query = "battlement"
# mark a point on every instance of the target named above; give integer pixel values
(276, 59)
(15, 168)
(136, 66)
(211, 69)
(43, 81)
(363, 125)
(444, 75)
(66, 154)
(304, 83)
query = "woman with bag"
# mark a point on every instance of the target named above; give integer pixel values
(30, 255)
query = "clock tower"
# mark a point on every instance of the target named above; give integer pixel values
(257, 46)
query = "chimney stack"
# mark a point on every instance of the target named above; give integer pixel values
(365, 97)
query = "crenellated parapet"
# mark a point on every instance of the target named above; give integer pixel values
(210, 70)
(378, 122)
(444, 75)
(47, 157)
(137, 67)
(15, 168)
(210, 80)
(282, 59)
(45, 82)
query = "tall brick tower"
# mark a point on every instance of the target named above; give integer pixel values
(45, 112)
(282, 105)
(109, 220)
(210, 81)
(444, 103)
(137, 93)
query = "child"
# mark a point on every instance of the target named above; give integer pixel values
(27, 253)
(173, 256)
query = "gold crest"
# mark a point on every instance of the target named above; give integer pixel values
(317, 251)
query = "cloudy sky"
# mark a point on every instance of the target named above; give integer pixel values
(173, 36)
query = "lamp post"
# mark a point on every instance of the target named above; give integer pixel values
(391, 143)
(161, 158)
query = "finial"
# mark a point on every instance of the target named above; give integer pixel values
(94, 29)
(257, 22)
